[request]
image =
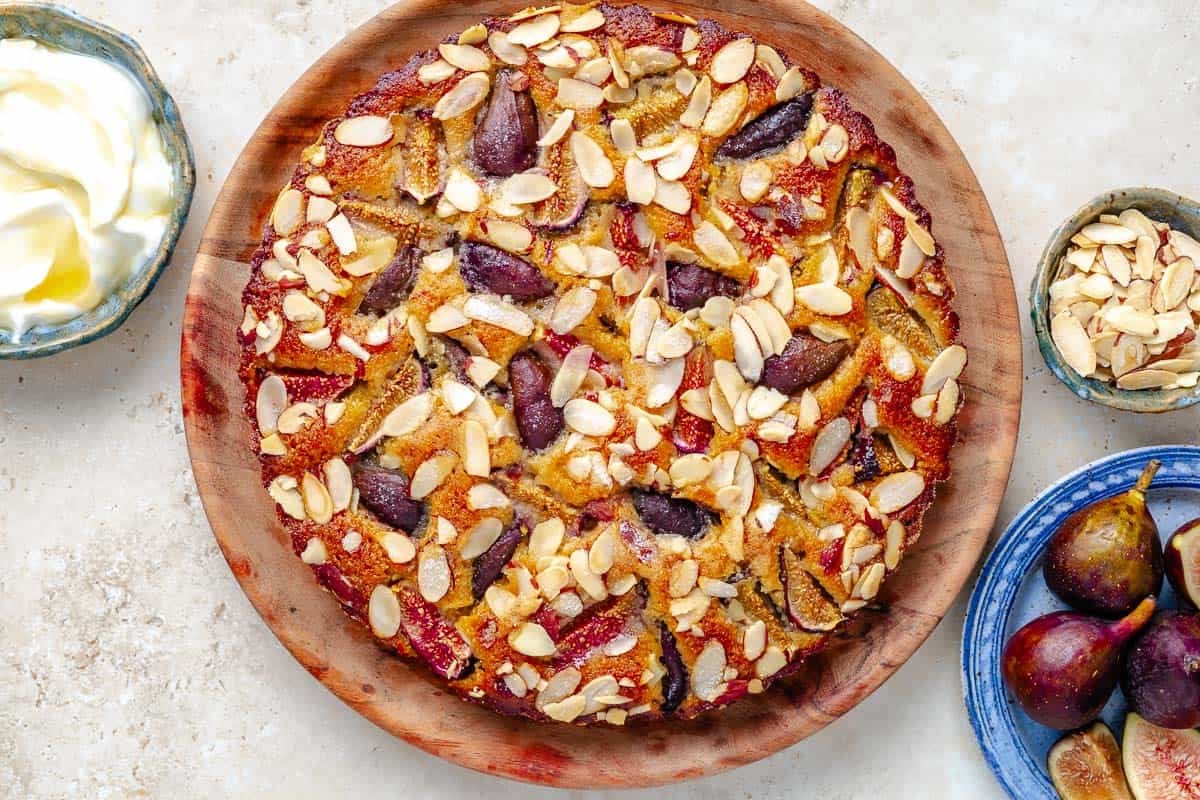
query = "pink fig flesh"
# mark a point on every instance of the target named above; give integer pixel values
(1182, 561)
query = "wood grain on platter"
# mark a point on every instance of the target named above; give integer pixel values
(403, 698)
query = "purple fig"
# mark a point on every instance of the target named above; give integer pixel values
(804, 361)
(538, 421)
(773, 128)
(506, 139)
(596, 627)
(335, 581)
(1086, 765)
(1107, 556)
(690, 286)
(1181, 558)
(384, 492)
(675, 681)
(1161, 764)
(487, 567)
(1162, 671)
(561, 210)
(433, 636)
(671, 515)
(1063, 667)
(393, 283)
(490, 269)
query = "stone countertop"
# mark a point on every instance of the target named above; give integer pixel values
(131, 664)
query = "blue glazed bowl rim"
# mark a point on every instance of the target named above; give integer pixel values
(1142, 400)
(110, 314)
(996, 590)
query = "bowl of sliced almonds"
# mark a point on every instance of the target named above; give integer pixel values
(1116, 301)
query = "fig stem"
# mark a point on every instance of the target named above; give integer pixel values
(1147, 476)
(1135, 620)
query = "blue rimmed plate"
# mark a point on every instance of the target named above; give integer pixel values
(1010, 592)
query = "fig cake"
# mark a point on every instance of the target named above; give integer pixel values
(603, 360)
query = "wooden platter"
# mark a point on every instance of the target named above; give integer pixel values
(402, 698)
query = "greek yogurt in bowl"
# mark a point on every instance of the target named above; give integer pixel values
(85, 183)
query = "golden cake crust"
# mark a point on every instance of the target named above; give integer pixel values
(622, 423)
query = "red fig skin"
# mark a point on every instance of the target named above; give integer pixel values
(1107, 556)
(1063, 667)
(1161, 679)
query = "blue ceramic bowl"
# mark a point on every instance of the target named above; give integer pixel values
(1010, 592)
(63, 28)
(1177, 211)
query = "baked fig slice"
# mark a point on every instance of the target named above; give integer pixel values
(1161, 764)
(675, 681)
(506, 138)
(671, 515)
(384, 492)
(392, 284)
(773, 128)
(565, 207)
(1182, 558)
(690, 286)
(424, 172)
(807, 604)
(1086, 765)
(804, 361)
(489, 269)
(597, 626)
(487, 568)
(433, 637)
(538, 421)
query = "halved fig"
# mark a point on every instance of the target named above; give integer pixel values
(332, 579)
(433, 636)
(506, 138)
(487, 567)
(806, 360)
(1182, 559)
(392, 284)
(1161, 764)
(489, 269)
(384, 492)
(671, 515)
(690, 286)
(424, 175)
(675, 681)
(807, 604)
(538, 421)
(597, 626)
(565, 207)
(773, 128)
(892, 316)
(1086, 765)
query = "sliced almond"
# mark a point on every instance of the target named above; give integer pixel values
(698, 104)
(571, 375)
(755, 181)
(485, 308)
(558, 129)
(535, 31)
(1146, 379)
(948, 364)
(526, 188)
(430, 475)
(725, 111)
(504, 49)
(1116, 263)
(365, 131)
(1072, 343)
(897, 491)
(673, 196)
(594, 166)
(466, 57)
(678, 162)
(589, 418)
(1107, 233)
(288, 212)
(731, 63)
(578, 95)
(825, 298)
(747, 352)
(828, 445)
(383, 612)
(466, 95)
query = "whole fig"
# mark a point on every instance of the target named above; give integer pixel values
(1107, 556)
(1161, 680)
(1063, 667)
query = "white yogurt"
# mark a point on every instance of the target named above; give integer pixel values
(85, 185)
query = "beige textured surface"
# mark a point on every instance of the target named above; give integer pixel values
(132, 666)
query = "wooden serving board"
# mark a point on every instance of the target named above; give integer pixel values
(401, 697)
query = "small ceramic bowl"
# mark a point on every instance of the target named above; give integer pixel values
(1160, 205)
(60, 27)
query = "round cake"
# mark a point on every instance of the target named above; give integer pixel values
(603, 360)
